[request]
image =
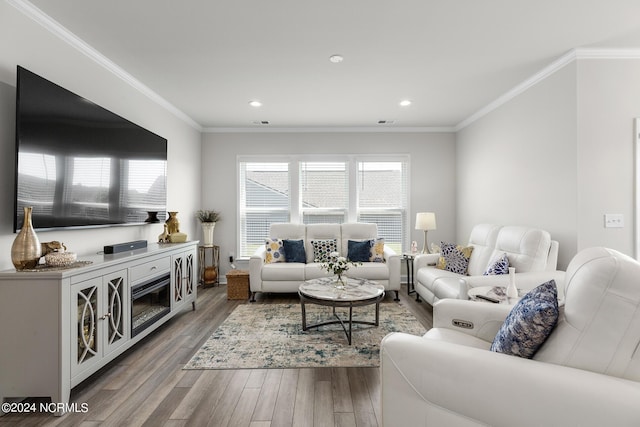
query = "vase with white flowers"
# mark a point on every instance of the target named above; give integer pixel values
(338, 265)
(208, 219)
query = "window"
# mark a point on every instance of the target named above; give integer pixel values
(331, 190)
(324, 192)
(264, 199)
(382, 199)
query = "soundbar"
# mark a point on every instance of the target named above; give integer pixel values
(124, 247)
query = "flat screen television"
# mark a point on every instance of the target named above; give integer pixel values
(80, 165)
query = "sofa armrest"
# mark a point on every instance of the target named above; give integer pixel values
(255, 267)
(393, 261)
(526, 281)
(452, 388)
(423, 260)
(482, 320)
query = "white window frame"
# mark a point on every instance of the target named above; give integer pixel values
(352, 160)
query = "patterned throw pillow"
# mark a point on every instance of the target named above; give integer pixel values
(529, 323)
(359, 251)
(499, 266)
(294, 251)
(377, 250)
(275, 251)
(322, 249)
(454, 258)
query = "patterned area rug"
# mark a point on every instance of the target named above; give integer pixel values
(258, 336)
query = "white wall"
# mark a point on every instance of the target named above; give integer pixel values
(608, 102)
(24, 42)
(559, 156)
(432, 171)
(517, 165)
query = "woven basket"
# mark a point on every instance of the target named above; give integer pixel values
(238, 284)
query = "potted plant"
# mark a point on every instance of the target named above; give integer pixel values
(208, 219)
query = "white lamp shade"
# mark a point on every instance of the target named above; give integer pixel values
(425, 221)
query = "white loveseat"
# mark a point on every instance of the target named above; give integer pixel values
(530, 250)
(287, 276)
(586, 373)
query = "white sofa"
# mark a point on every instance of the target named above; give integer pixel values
(530, 250)
(287, 276)
(587, 372)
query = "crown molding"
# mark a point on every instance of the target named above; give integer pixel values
(557, 65)
(31, 11)
(607, 53)
(74, 41)
(364, 129)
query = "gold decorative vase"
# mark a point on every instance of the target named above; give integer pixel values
(173, 225)
(26, 250)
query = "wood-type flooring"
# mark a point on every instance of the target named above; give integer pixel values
(146, 385)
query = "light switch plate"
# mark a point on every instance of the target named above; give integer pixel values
(613, 221)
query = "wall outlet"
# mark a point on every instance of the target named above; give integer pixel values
(613, 221)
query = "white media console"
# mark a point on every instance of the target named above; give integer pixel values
(57, 327)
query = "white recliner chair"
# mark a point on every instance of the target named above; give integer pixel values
(587, 372)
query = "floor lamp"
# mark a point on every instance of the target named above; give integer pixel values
(425, 221)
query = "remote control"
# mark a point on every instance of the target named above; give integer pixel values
(486, 298)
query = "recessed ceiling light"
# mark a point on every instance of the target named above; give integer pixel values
(336, 59)
(405, 103)
(255, 103)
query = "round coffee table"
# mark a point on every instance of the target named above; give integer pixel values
(356, 293)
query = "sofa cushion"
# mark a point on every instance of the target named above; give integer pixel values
(377, 250)
(356, 231)
(294, 250)
(527, 248)
(275, 251)
(369, 270)
(483, 239)
(529, 323)
(359, 251)
(322, 249)
(283, 271)
(454, 258)
(499, 265)
(322, 232)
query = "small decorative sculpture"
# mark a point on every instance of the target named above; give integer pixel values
(164, 237)
(53, 246)
(173, 225)
(55, 254)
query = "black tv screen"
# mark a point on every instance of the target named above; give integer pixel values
(78, 164)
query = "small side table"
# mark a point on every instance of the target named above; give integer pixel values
(209, 265)
(497, 293)
(408, 258)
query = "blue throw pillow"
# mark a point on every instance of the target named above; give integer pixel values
(499, 266)
(294, 251)
(359, 251)
(529, 323)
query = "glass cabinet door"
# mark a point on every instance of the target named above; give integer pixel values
(87, 336)
(189, 275)
(115, 313)
(178, 288)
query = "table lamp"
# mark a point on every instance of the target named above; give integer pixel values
(425, 221)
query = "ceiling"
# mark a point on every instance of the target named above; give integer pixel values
(451, 58)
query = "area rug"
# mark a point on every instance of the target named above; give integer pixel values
(258, 336)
